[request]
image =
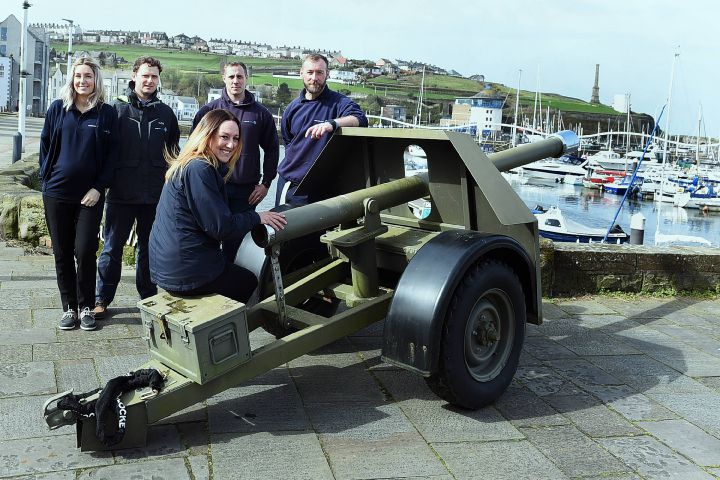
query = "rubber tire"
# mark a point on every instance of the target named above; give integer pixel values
(490, 281)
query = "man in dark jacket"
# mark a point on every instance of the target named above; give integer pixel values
(147, 128)
(307, 125)
(247, 186)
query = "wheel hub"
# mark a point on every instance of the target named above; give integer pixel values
(488, 335)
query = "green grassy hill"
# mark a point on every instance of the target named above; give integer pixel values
(438, 88)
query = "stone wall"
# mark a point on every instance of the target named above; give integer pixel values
(574, 269)
(21, 208)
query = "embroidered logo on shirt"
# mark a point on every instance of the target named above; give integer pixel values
(250, 121)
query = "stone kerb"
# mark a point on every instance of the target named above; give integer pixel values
(21, 207)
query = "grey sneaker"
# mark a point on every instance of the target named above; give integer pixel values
(68, 320)
(87, 319)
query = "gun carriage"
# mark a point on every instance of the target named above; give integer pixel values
(455, 287)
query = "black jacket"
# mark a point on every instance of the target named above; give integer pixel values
(145, 132)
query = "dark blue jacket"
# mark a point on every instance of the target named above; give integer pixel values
(300, 151)
(192, 219)
(146, 131)
(85, 160)
(257, 129)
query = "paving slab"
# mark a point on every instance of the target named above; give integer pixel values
(583, 373)
(699, 409)
(21, 418)
(543, 380)
(652, 459)
(267, 403)
(79, 375)
(573, 452)
(630, 404)
(525, 409)
(264, 455)
(436, 420)
(544, 348)
(506, 460)
(15, 353)
(46, 454)
(16, 318)
(162, 441)
(591, 416)
(27, 336)
(199, 466)
(31, 378)
(117, 365)
(162, 469)
(687, 439)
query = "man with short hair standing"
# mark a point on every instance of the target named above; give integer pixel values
(247, 185)
(148, 128)
(308, 123)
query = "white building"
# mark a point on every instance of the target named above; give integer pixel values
(186, 108)
(5, 82)
(214, 94)
(55, 83)
(343, 76)
(483, 110)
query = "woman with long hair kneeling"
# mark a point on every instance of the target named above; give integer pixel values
(193, 216)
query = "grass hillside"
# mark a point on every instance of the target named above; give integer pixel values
(400, 87)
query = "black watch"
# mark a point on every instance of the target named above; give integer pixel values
(334, 124)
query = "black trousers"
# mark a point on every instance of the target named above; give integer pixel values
(234, 282)
(74, 232)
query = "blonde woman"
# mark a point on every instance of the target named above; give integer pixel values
(77, 148)
(193, 216)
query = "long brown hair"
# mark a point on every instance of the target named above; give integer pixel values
(198, 144)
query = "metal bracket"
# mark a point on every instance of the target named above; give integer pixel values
(55, 417)
(277, 281)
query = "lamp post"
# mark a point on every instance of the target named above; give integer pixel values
(19, 139)
(71, 32)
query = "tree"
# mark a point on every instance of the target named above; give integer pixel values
(283, 94)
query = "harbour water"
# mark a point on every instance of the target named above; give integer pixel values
(597, 209)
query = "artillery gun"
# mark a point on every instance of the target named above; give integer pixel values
(455, 286)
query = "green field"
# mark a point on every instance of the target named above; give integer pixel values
(404, 87)
(183, 60)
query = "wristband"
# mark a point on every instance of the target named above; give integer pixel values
(334, 124)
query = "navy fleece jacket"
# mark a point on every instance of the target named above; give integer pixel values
(191, 221)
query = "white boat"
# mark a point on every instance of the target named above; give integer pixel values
(607, 159)
(552, 224)
(555, 169)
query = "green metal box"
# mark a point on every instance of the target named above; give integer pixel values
(199, 337)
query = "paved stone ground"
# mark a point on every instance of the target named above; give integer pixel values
(607, 388)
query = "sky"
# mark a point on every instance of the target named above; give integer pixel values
(556, 43)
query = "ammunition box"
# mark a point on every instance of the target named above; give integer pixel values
(198, 337)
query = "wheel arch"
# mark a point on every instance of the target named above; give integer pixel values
(413, 325)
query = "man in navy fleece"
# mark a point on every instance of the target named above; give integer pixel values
(248, 184)
(308, 123)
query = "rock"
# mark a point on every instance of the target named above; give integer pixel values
(31, 218)
(8, 216)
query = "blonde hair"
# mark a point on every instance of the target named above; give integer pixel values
(68, 94)
(198, 145)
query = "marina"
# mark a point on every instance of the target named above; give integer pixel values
(596, 208)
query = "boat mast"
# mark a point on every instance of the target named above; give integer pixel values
(517, 103)
(667, 126)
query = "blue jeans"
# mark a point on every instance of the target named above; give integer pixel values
(119, 219)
